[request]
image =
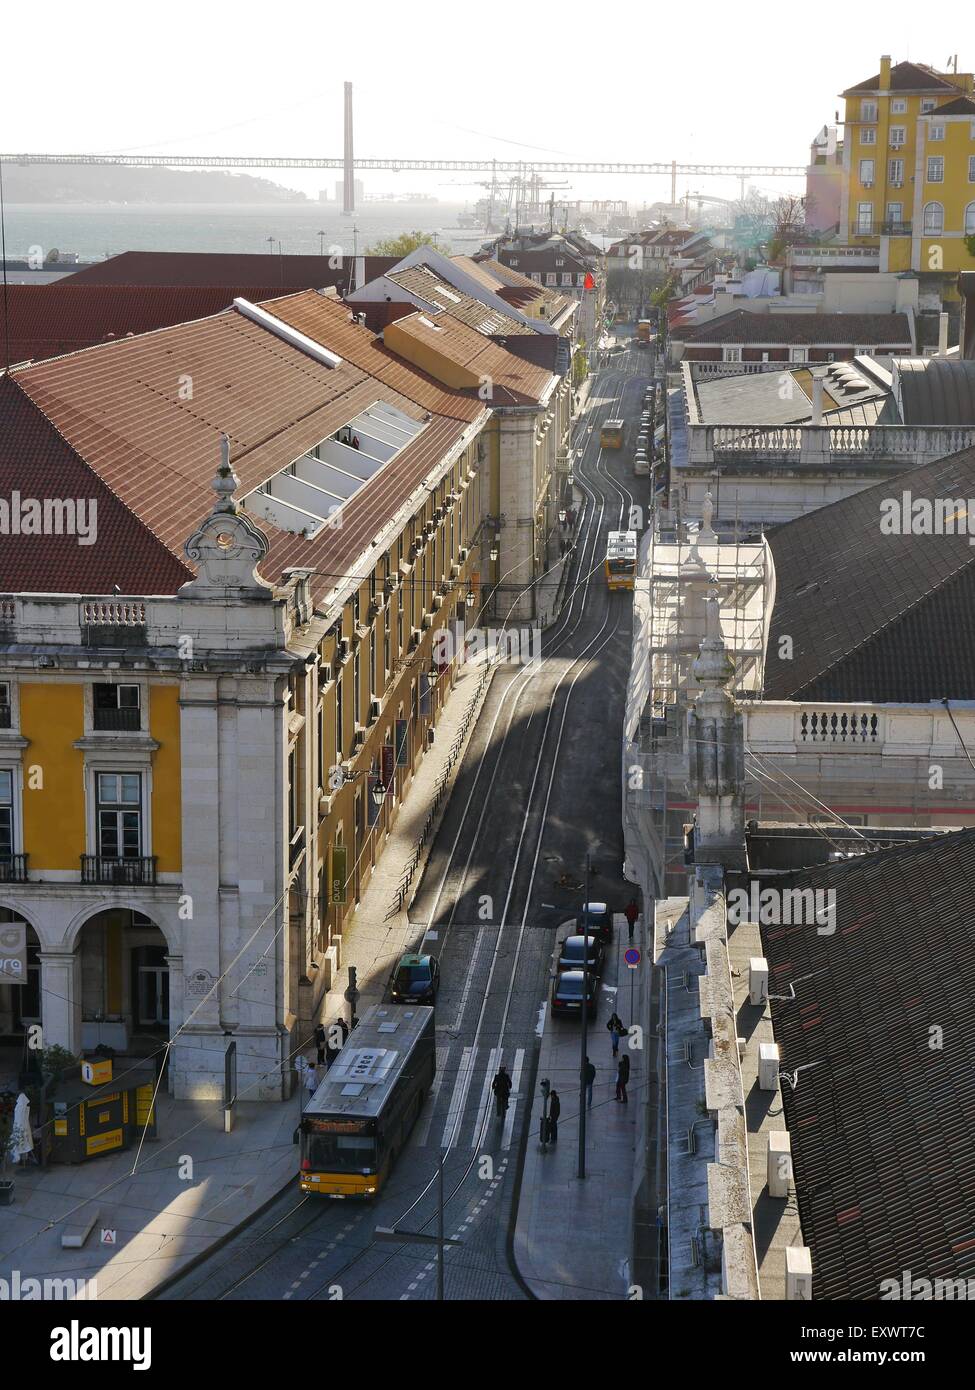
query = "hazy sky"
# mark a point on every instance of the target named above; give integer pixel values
(709, 81)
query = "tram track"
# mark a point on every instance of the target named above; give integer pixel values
(599, 487)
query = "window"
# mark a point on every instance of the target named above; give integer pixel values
(895, 171)
(933, 219)
(868, 110)
(898, 107)
(895, 214)
(116, 707)
(731, 354)
(971, 168)
(936, 168)
(513, 260)
(550, 277)
(6, 813)
(560, 261)
(581, 280)
(536, 276)
(339, 731)
(970, 220)
(866, 171)
(868, 135)
(864, 219)
(4, 704)
(118, 807)
(898, 137)
(927, 105)
(567, 277)
(937, 132)
(798, 354)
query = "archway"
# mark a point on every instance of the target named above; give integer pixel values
(124, 982)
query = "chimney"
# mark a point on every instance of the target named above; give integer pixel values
(817, 399)
(885, 73)
(942, 335)
(716, 751)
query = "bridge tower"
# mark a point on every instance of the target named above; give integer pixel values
(348, 179)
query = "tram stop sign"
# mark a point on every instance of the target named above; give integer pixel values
(632, 957)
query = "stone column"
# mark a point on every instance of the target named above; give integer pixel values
(61, 999)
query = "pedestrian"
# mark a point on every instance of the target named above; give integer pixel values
(631, 912)
(588, 1076)
(554, 1111)
(320, 1040)
(622, 1077)
(501, 1086)
(355, 441)
(344, 1030)
(310, 1079)
(616, 1028)
(571, 516)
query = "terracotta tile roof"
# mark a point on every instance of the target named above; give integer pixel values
(328, 321)
(38, 463)
(230, 269)
(880, 1121)
(120, 408)
(794, 330)
(874, 616)
(425, 283)
(48, 320)
(906, 77)
(515, 381)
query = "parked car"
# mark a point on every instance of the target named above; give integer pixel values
(600, 921)
(567, 994)
(415, 980)
(573, 950)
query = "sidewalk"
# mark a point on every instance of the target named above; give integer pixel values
(573, 1236)
(163, 1220)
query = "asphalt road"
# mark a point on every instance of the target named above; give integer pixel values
(538, 790)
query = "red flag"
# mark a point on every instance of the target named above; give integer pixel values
(589, 283)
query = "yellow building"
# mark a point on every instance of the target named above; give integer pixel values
(909, 169)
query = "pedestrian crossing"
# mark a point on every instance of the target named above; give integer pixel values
(476, 1070)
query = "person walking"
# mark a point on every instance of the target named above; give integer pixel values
(622, 1077)
(310, 1079)
(588, 1076)
(320, 1040)
(343, 1028)
(631, 912)
(554, 1111)
(501, 1086)
(616, 1028)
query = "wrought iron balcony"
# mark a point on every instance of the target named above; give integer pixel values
(13, 868)
(139, 870)
(117, 719)
(894, 227)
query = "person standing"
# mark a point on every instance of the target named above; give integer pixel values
(343, 1028)
(554, 1111)
(320, 1039)
(631, 912)
(622, 1077)
(588, 1076)
(616, 1028)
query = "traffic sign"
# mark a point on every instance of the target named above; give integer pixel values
(632, 957)
(352, 996)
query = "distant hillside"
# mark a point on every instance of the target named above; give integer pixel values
(99, 183)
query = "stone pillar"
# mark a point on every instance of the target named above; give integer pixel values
(61, 999)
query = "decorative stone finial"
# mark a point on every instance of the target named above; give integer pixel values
(226, 482)
(713, 668)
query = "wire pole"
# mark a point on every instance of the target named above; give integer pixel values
(583, 1031)
(440, 1240)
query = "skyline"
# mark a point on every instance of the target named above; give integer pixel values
(402, 109)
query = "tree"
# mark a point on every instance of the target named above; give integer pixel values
(401, 245)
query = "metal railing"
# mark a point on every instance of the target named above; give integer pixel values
(129, 720)
(13, 868)
(139, 870)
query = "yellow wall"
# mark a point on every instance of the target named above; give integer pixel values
(940, 252)
(52, 717)
(426, 356)
(164, 728)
